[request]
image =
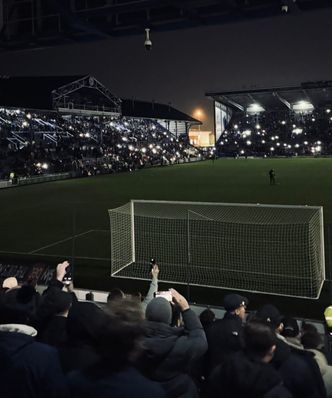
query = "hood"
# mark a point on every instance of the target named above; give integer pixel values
(160, 338)
(18, 328)
(12, 342)
(321, 361)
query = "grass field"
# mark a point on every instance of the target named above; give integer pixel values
(69, 218)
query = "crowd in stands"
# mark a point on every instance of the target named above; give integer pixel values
(33, 143)
(278, 133)
(53, 345)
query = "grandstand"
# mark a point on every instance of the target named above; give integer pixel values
(75, 124)
(284, 121)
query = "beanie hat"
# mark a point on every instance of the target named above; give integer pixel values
(159, 310)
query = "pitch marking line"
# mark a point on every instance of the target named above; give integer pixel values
(61, 241)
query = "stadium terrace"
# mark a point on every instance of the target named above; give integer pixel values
(291, 121)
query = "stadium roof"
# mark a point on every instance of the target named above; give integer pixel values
(154, 110)
(35, 24)
(316, 93)
(35, 92)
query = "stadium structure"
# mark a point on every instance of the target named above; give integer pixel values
(76, 123)
(284, 121)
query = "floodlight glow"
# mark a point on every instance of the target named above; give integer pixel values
(154, 150)
(242, 151)
(87, 135)
(278, 143)
(272, 138)
(276, 137)
(294, 126)
(272, 149)
(263, 141)
(258, 126)
(153, 127)
(297, 145)
(305, 143)
(318, 142)
(283, 122)
(45, 166)
(289, 146)
(318, 148)
(25, 124)
(248, 142)
(285, 144)
(255, 108)
(313, 119)
(245, 133)
(130, 147)
(328, 110)
(151, 146)
(124, 139)
(38, 164)
(236, 126)
(297, 131)
(302, 106)
(29, 115)
(143, 150)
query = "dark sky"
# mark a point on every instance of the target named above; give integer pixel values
(184, 64)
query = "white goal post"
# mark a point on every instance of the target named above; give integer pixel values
(271, 249)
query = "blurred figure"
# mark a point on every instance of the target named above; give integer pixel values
(291, 332)
(297, 367)
(248, 373)
(312, 342)
(207, 317)
(27, 368)
(117, 343)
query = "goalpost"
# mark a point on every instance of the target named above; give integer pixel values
(258, 248)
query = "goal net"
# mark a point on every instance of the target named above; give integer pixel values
(258, 248)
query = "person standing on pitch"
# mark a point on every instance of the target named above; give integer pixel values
(272, 175)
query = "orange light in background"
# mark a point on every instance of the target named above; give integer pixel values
(198, 114)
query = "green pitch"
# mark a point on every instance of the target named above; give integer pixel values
(67, 219)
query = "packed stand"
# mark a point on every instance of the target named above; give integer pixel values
(278, 133)
(34, 143)
(54, 345)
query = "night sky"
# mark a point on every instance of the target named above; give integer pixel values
(184, 64)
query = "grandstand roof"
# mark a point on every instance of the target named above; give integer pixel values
(32, 92)
(59, 22)
(154, 110)
(278, 98)
(35, 92)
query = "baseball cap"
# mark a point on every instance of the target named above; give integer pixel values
(233, 301)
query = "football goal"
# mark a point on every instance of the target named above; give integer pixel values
(258, 248)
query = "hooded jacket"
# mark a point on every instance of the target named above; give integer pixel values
(169, 353)
(28, 368)
(325, 370)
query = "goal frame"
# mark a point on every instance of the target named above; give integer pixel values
(252, 205)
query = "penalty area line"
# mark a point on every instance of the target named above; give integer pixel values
(61, 241)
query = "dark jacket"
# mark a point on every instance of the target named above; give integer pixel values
(299, 371)
(243, 375)
(55, 332)
(170, 353)
(225, 337)
(100, 382)
(28, 368)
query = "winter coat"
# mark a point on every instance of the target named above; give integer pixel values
(243, 375)
(225, 337)
(325, 370)
(170, 352)
(298, 370)
(98, 381)
(28, 368)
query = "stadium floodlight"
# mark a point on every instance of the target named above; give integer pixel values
(305, 143)
(143, 150)
(258, 126)
(255, 108)
(248, 142)
(263, 141)
(302, 106)
(272, 149)
(276, 137)
(242, 151)
(44, 166)
(318, 148)
(278, 143)
(258, 248)
(297, 145)
(313, 119)
(318, 142)
(236, 126)
(328, 110)
(29, 115)
(297, 131)
(130, 147)
(283, 122)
